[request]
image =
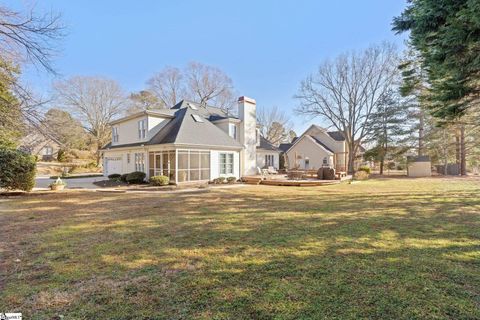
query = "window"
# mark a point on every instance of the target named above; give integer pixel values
(128, 157)
(232, 130)
(226, 163)
(269, 160)
(307, 163)
(142, 129)
(140, 162)
(197, 118)
(48, 151)
(115, 134)
(325, 161)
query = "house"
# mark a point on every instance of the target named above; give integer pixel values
(40, 145)
(317, 148)
(189, 142)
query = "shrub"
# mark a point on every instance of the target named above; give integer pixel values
(231, 180)
(123, 177)
(391, 165)
(365, 169)
(361, 175)
(400, 167)
(17, 170)
(136, 177)
(114, 176)
(159, 180)
(219, 180)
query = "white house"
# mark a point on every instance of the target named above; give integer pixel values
(317, 148)
(189, 142)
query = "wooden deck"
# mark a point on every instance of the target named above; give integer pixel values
(298, 183)
(283, 181)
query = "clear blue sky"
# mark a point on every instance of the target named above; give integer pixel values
(266, 47)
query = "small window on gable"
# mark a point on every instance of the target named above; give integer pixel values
(325, 161)
(232, 130)
(197, 118)
(142, 129)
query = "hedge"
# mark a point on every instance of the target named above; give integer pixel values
(136, 177)
(17, 170)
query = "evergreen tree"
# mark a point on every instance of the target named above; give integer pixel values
(389, 128)
(447, 36)
(11, 120)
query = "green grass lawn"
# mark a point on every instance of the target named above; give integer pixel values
(380, 249)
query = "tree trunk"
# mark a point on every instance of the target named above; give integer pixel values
(351, 158)
(382, 162)
(420, 133)
(445, 152)
(463, 158)
(457, 146)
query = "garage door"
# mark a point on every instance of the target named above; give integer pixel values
(113, 165)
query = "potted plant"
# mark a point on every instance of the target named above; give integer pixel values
(58, 185)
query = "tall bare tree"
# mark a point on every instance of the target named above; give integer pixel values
(201, 83)
(94, 101)
(143, 100)
(168, 86)
(346, 91)
(275, 125)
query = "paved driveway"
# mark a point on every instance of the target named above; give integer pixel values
(84, 183)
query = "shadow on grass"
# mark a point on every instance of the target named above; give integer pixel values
(286, 253)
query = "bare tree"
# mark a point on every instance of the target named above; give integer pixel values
(29, 37)
(275, 125)
(94, 101)
(346, 91)
(142, 100)
(198, 82)
(168, 86)
(209, 84)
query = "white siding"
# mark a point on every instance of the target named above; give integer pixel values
(304, 148)
(128, 130)
(127, 167)
(261, 158)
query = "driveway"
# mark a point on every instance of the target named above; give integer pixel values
(77, 183)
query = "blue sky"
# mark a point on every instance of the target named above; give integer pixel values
(266, 47)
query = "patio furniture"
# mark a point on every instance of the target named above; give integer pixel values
(271, 170)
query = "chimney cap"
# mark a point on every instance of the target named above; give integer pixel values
(247, 99)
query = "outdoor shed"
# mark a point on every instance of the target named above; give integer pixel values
(419, 166)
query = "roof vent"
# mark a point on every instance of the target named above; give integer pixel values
(197, 118)
(192, 106)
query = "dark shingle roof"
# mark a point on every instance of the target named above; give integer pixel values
(336, 135)
(209, 112)
(183, 129)
(285, 146)
(321, 143)
(266, 145)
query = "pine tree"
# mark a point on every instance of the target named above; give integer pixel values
(389, 128)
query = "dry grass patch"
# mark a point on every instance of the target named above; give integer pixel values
(380, 249)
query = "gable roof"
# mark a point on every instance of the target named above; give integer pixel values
(321, 143)
(266, 145)
(336, 135)
(182, 128)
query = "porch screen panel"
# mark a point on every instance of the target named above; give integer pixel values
(151, 164)
(171, 160)
(183, 166)
(205, 165)
(194, 165)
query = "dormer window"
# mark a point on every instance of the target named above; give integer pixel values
(142, 129)
(232, 130)
(115, 134)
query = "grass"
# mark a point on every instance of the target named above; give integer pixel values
(379, 249)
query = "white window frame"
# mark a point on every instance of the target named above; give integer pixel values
(115, 136)
(226, 168)
(142, 129)
(232, 130)
(140, 162)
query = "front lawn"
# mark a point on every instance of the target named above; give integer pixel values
(380, 249)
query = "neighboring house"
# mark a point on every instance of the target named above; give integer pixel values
(316, 148)
(189, 142)
(38, 144)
